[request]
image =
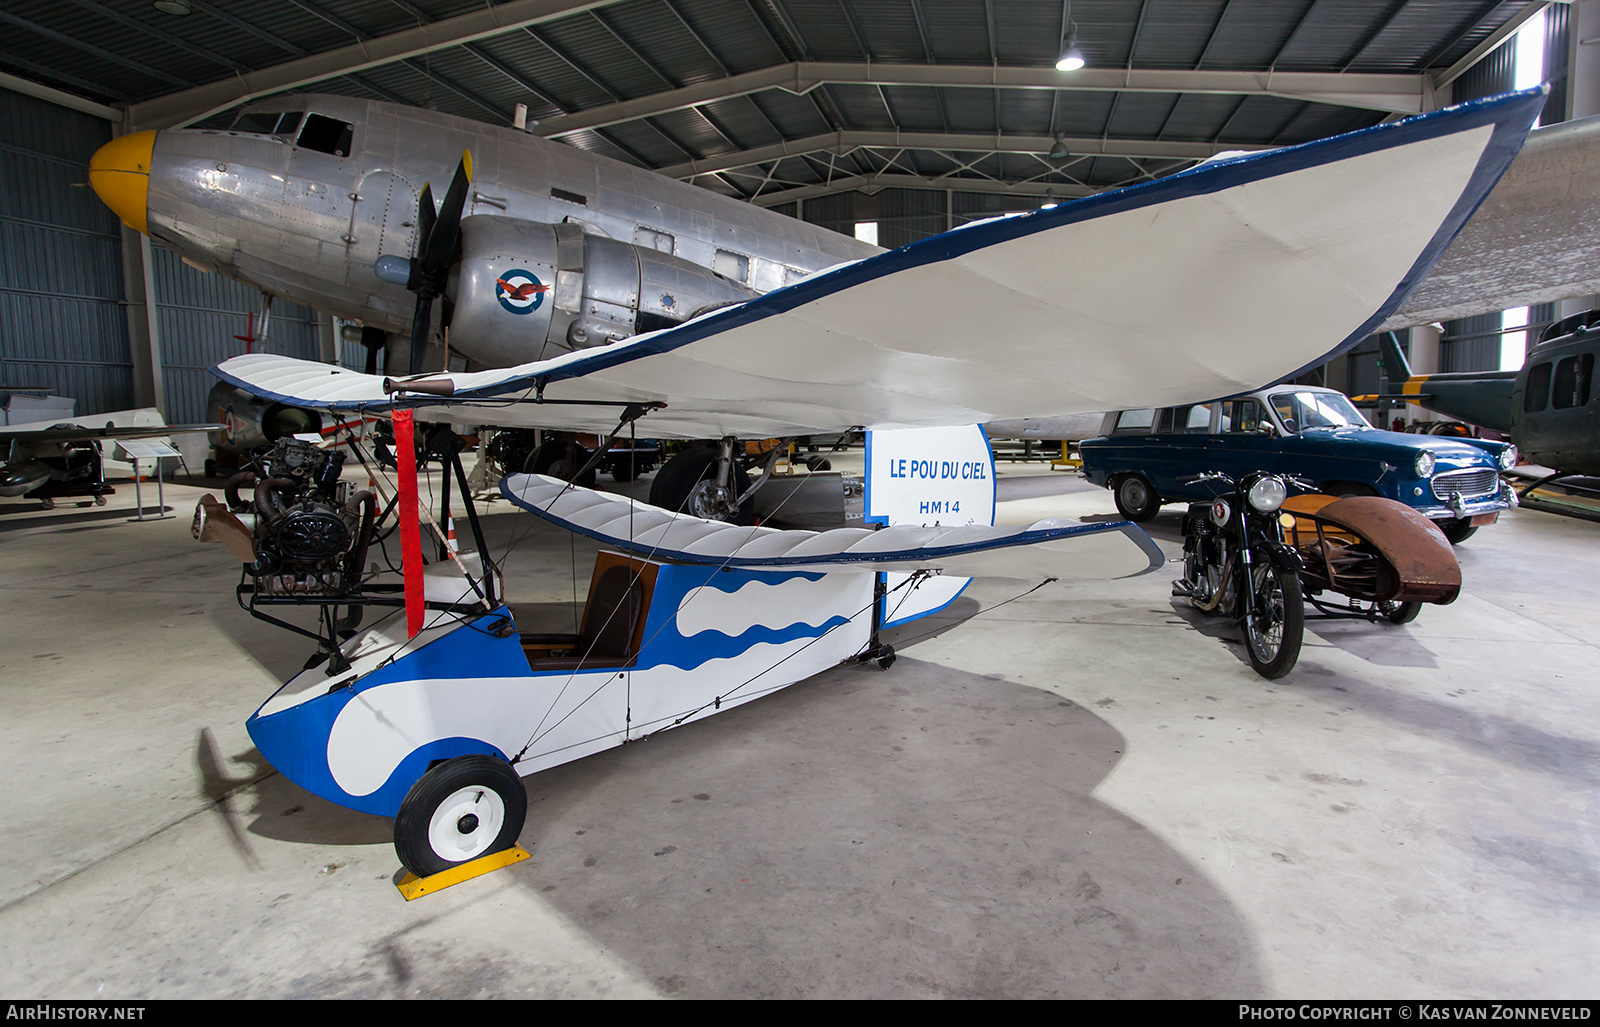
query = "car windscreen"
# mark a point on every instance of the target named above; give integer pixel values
(1309, 411)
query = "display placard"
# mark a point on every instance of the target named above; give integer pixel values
(145, 449)
(928, 476)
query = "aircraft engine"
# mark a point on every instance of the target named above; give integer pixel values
(524, 290)
(299, 529)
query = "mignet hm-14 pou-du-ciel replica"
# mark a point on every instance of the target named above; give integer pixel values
(1171, 291)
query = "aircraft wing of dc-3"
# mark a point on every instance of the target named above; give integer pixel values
(1187, 288)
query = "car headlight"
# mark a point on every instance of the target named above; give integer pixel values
(1508, 458)
(1423, 465)
(1268, 493)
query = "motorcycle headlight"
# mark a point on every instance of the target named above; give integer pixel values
(1508, 458)
(1268, 493)
(1423, 465)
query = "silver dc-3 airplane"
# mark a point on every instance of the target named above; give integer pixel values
(538, 248)
(1204, 284)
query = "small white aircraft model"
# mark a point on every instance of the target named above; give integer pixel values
(1205, 284)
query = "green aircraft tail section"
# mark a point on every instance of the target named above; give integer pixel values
(1477, 397)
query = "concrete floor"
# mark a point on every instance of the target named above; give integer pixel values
(1084, 793)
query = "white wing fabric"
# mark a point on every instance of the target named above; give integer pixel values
(1051, 548)
(1205, 284)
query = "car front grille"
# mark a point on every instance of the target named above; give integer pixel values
(1470, 484)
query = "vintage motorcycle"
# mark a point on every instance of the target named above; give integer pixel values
(1235, 564)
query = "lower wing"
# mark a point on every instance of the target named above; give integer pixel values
(1049, 548)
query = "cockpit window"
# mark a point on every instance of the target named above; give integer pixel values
(327, 135)
(261, 122)
(267, 122)
(1301, 411)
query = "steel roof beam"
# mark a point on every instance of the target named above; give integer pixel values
(841, 143)
(194, 104)
(1384, 92)
(873, 183)
(1487, 46)
(61, 98)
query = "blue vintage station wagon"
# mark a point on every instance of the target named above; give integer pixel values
(1310, 433)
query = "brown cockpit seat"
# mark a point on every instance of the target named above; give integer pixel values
(613, 620)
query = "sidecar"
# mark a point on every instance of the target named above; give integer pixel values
(1382, 557)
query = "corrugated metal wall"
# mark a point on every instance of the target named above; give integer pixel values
(63, 323)
(837, 212)
(906, 215)
(199, 315)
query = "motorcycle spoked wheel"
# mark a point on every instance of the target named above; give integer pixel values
(1274, 621)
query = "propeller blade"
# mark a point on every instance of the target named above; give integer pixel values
(427, 214)
(441, 244)
(420, 325)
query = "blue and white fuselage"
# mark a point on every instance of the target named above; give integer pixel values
(712, 638)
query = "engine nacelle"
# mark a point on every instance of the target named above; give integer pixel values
(525, 290)
(250, 421)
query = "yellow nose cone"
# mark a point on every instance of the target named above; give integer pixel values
(120, 173)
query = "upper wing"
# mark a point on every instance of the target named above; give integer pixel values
(1204, 284)
(1049, 548)
(1534, 240)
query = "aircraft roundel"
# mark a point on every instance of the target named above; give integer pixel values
(519, 291)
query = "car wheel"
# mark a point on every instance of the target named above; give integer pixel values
(462, 809)
(1458, 530)
(1135, 499)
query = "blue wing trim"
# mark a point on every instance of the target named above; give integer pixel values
(1511, 114)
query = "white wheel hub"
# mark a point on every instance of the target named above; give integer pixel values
(466, 823)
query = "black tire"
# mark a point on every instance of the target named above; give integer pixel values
(461, 810)
(1135, 499)
(1458, 530)
(560, 459)
(1399, 613)
(623, 468)
(675, 483)
(1274, 621)
(210, 467)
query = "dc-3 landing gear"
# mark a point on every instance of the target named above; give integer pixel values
(705, 481)
(711, 481)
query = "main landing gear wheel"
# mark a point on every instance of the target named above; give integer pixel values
(687, 483)
(1136, 500)
(462, 809)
